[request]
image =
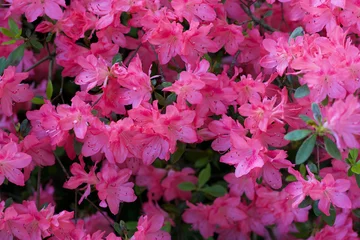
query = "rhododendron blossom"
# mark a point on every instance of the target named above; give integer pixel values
(182, 119)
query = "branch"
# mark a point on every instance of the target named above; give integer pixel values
(38, 188)
(255, 19)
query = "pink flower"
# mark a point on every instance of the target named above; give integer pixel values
(343, 120)
(239, 186)
(173, 179)
(196, 10)
(150, 177)
(11, 161)
(11, 89)
(95, 71)
(199, 217)
(36, 8)
(113, 187)
(196, 42)
(228, 35)
(244, 155)
(149, 228)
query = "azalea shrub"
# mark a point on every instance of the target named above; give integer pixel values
(181, 119)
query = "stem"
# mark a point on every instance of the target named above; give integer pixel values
(75, 207)
(60, 92)
(133, 54)
(38, 188)
(38, 63)
(260, 22)
(160, 67)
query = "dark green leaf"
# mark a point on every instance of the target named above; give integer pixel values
(299, 31)
(117, 228)
(302, 170)
(2, 65)
(357, 177)
(16, 56)
(170, 99)
(297, 135)
(215, 190)
(307, 202)
(268, 13)
(204, 175)
(356, 212)
(49, 90)
(8, 202)
(78, 147)
(25, 127)
(187, 186)
(38, 100)
(331, 148)
(305, 118)
(13, 26)
(201, 162)
(160, 98)
(36, 44)
(330, 220)
(316, 209)
(179, 152)
(305, 149)
(312, 167)
(316, 112)
(117, 58)
(302, 91)
(131, 225)
(166, 227)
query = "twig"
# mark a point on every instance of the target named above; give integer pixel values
(75, 207)
(133, 54)
(89, 201)
(233, 62)
(38, 63)
(60, 91)
(158, 62)
(38, 188)
(255, 19)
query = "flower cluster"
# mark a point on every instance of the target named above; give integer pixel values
(184, 119)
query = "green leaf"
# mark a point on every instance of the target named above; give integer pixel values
(316, 209)
(331, 148)
(305, 118)
(170, 99)
(290, 178)
(312, 167)
(306, 202)
(7, 32)
(166, 227)
(8, 202)
(2, 65)
(356, 168)
(117, 58)
(302, 91)
(12, 41)
(179, 152)
(215, 190)
(330, 220)
(38, 100)
(302, 170)
(268, 13)
(354, 153)
(49, 90)
(187, 186)
(316, 112)
(357, 177)
(160, 98)
(204, 175)
(299, 31)
(201, 162)
(117, 228)
(13, 26)
(305, 149)
(25, 127)
(16, 56)
(36, 44)
(356, 212)
(131, 225)
(297, 135)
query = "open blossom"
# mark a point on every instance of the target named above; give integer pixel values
(34, 9)
(11, 89)
(194, 10)
(199, 217)
(149, 228)
(151, 177)
(173, 179)
(342, 119)
(113, 187)
(11, 161)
